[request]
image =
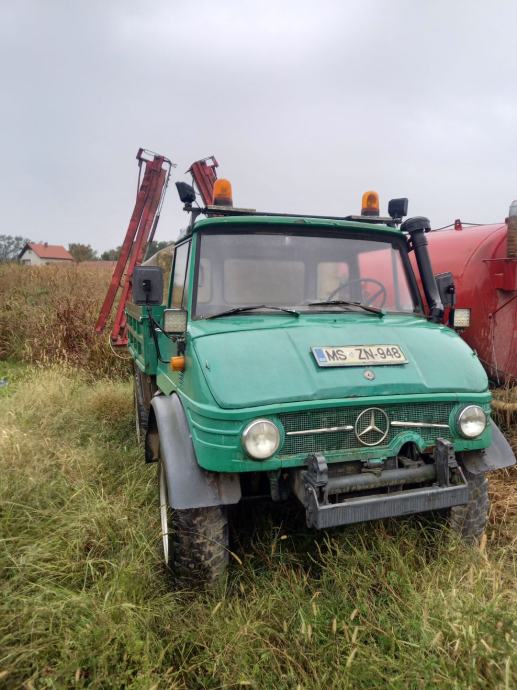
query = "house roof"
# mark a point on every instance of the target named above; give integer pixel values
(48, 251)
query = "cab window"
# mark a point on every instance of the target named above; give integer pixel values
(179, 278)
(295, 270)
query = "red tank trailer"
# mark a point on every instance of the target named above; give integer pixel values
(483, 261)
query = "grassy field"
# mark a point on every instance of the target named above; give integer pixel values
(85, 601)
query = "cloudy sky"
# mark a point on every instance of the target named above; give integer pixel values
(305, 105)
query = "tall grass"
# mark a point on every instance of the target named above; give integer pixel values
(85, 603)
(48, 314)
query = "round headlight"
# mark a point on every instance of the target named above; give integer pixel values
(261, 439)
(471, 421)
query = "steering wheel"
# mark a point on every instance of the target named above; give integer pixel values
(380, 293)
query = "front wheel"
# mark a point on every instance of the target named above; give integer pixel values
(195, 540)
(469, 520)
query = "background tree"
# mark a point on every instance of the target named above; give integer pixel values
(11, 246)
(111, 254)
(155, 246)
(82, 252)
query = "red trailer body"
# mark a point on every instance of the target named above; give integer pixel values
(486, 283)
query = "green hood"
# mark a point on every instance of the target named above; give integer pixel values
(251, 360)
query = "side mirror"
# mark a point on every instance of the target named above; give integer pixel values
(186, 192)
(174, 321)
(147, 285)
(446, 289)
(397, 208)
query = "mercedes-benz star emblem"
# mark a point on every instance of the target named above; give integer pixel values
(372, 424)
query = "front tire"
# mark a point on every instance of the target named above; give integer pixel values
(195, 541)
(469, 520)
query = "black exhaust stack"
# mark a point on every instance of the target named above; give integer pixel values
(416, 228)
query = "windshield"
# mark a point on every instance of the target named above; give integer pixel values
(273, 269)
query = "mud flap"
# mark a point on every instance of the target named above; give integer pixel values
(498, 455)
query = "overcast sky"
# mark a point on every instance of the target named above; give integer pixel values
(304, 104)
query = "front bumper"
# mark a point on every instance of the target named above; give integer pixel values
(326, 498)
(364, 508)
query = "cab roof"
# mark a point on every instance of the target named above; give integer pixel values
(296, 222)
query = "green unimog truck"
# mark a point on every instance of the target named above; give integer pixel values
(294, 356)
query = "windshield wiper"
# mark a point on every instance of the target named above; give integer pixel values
(345, 303)
(240, 310)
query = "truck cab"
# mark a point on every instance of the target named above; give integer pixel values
(295, 356)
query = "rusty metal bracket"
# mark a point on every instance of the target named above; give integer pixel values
(445, 461)
(317, 470)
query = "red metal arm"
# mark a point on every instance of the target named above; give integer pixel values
(204, 175)
(142, 223)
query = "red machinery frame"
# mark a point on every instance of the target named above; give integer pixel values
(142, 227)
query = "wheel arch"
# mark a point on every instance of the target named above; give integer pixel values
(168, 439)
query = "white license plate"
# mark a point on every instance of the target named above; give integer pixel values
(358, 355)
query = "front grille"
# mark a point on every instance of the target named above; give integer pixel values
(435, 413)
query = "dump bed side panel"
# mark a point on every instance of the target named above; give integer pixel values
(140, 340)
